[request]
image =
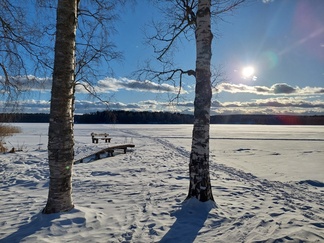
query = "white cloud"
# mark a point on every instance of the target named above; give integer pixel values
(278, 105)
(113, 85)
(281, 98)
(276, 89)
(30, 83)
(107, 85)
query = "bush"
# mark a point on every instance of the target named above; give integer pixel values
(7, 131)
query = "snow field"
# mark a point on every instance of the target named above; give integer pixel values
(267, 182)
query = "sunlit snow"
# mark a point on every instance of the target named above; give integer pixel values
(267, 181)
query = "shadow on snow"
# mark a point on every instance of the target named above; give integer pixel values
(191, 218)
(40, 222)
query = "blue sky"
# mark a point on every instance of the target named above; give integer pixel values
(279, 44)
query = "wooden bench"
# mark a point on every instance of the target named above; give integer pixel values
(110, 150)
(102, 136)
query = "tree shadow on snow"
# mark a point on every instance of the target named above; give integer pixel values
(37, 223)
(190, 220)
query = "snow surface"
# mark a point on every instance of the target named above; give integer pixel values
(267, 181)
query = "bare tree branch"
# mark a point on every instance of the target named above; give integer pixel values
(179, 23)
(225, 6)
(22, 51)
(94, 51)
(180, 18)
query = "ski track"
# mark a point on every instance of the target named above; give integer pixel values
(138, 222)
(285, 198)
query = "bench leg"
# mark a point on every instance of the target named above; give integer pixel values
(111, 153)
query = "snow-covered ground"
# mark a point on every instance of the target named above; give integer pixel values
(268, 184)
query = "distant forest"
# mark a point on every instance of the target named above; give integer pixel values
(146, 117)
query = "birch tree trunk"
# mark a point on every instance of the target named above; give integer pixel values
(200, 186)
(60, 134)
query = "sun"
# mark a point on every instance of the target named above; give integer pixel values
(248, 72)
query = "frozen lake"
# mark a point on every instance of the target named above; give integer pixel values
(284, 153)
(267, 182)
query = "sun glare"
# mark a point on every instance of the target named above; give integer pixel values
(248, 72)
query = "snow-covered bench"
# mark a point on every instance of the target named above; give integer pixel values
(102, 136)
(105, 152)
(111, 149)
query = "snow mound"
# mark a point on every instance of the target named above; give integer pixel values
(314, 183)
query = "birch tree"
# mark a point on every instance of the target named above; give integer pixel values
(81, 44)
(200, 186)
(182, 18)
(60, 134)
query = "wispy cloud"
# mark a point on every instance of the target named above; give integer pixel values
(279, 98)
(274, 102)
(280, 105)
(29, 83)
(113, 85)
(276, 89)
(107, 85)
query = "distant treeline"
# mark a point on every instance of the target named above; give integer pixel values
(146, 117)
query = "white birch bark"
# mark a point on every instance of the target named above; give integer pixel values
(200, 186)
(61, 141)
